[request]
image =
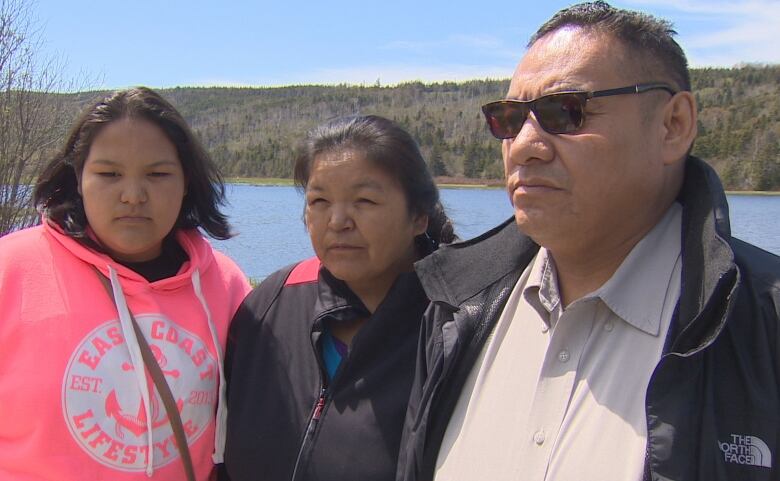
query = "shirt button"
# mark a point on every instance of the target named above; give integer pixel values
(563, 356)
(545, 328)
(608, 326)
(539, 437)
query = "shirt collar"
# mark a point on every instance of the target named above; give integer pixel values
(636, 291)
(541, 288)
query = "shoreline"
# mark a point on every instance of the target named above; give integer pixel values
(753, 192)
(441, 182)
(444, 183)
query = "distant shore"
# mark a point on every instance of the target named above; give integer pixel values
(445, 183)
(753, 192)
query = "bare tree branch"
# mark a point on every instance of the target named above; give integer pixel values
(33, 112)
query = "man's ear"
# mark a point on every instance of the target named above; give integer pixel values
(679, 117)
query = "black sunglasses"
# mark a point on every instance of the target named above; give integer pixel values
(557, 113)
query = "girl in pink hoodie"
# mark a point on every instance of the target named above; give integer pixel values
(125, 198)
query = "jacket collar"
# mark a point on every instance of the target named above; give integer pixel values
(709, 274)
(337, 301)
(458, 271)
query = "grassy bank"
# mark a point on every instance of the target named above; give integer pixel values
(442, 182)
(259, 181)
(753, 192)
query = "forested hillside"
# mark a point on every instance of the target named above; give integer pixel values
(253, 132)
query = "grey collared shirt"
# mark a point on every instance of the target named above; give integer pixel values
(558, 393)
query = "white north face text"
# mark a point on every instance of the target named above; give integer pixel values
(748, 450)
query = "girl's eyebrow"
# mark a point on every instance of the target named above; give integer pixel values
(159, 163)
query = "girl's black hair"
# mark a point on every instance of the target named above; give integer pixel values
(56, 192)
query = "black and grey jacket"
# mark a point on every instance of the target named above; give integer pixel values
(285, 421)
(713, 402)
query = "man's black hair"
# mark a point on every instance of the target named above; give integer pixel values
(651, 39)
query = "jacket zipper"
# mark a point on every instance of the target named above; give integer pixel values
(319, 406)
(311, 426)
(316, 412)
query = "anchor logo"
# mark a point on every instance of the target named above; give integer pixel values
(136, 423)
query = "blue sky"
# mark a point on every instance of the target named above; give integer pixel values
(163, 43)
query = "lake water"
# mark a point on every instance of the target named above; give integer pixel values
(268, 220)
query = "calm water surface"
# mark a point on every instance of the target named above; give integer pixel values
(271, 234)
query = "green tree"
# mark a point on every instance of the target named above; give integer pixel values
(471, 163)
(437, 161)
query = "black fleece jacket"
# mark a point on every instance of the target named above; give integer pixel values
(285, 422)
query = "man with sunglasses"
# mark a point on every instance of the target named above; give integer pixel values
(613, 329)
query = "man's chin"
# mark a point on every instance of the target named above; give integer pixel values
(538, 227)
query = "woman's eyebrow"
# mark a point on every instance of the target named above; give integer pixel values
(365, 184)
(369, 184)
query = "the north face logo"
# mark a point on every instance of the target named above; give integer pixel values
(748, 450)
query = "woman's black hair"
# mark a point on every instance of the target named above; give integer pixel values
(57, 190)
(393, 150)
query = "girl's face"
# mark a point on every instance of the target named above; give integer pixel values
(132, 186)
(359, 221)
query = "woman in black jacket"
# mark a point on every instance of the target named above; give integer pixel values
(321, 355)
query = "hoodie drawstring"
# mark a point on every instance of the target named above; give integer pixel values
(137, 361)
(221, 424)
(140, 372)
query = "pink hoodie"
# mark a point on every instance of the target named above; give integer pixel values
(72, 396)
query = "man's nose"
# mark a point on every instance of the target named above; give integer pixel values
(531, 144)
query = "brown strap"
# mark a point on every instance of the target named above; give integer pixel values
(162, 386)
